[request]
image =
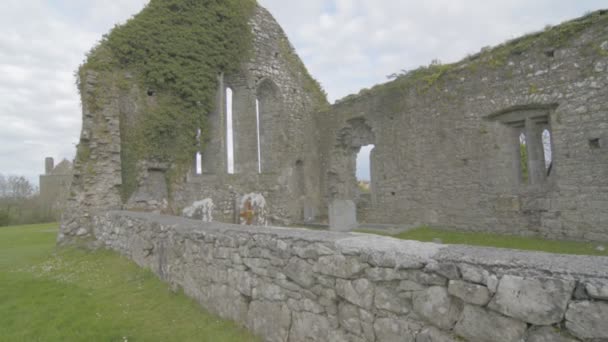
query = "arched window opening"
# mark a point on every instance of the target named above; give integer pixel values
(257, 123)
(198, 158)
(523, 159)
(229, 131)
(364, 170)
(268, 111)
(547, 148)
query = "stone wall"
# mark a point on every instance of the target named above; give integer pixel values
(300, 285)
(289, 179)
(447, 141)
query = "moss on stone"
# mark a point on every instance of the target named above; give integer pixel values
(174, 50)
(310, 84)
(428, 77)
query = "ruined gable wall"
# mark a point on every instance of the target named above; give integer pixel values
(113, 169)
(302, 285)
(439, 161)
(289, 139)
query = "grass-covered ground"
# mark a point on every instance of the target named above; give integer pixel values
(72, 295)
(427, 234)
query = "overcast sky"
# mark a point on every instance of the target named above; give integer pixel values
(346, 44)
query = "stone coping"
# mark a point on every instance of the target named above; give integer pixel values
(391, 252)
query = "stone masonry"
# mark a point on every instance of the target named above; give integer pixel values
(447, 149)
(447, 144)
(301, 285)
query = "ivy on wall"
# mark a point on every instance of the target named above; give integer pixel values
(174, 51)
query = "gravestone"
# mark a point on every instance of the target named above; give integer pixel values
(342, 215)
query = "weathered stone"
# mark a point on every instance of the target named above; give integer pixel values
(359, 292)
(437, 307)
(349, 318)
(588, 320)
(395, 330)
(220, 295)
(301, 272)
(410, 286)
(429, 279)
(387, 299)
(480, 325)
(306, 326)
(534, 300)
(597, 289)
(342, 215)
(305, 304)
(313, 251)
(474, 274)
(432, 334)
(449, 271)
(367, 323)
(243, 281)
(270, 292)
(548, 334)
(271, 320)
(339, 266)
(469, 293)
(492, 283)
(386, 274)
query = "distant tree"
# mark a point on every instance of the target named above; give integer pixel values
(19, 188)
(19, 202)
(3, 186)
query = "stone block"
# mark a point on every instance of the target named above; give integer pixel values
(306, 326)
(437, 307)
(268, 319)
(540, 301)
(597, 289)
(301, 272)
(342, 216)
(387, 299)
(350, 321)
(548, 334)
(588, 320)
(474, 274)
(395, 330)
(432, 334)
(339, 266)
(469, 293)
(359, 292)
(480, 325)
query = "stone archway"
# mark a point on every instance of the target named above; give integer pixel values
(342, 179)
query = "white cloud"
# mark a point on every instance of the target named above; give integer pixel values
(347, 45)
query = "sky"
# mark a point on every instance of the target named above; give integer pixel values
(347, 45)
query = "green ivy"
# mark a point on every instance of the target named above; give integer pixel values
(174, 50)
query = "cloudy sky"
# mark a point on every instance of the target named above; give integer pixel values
(346, 44)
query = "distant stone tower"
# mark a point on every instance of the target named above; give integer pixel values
(55, 184)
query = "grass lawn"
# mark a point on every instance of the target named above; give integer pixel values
(73, 295)
(426, 234)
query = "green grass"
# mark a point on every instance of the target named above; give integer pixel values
(74, 295)
(426, 234)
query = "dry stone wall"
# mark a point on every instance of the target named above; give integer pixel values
(300, 285)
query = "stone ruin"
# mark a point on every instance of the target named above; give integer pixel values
(55, 184)
(447, 141)
(463, 146)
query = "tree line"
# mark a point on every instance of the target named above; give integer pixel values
(20, 203)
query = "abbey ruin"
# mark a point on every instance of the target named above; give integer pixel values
(259, 145)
